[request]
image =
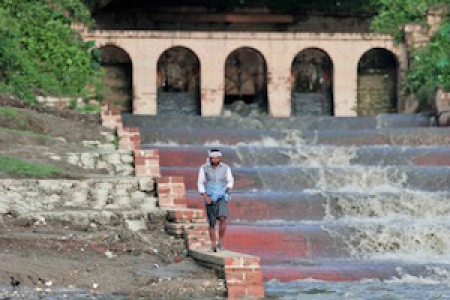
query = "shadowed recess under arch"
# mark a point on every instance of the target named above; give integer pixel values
(377, 83)
(245, 83)
(118, 78)
(178, 82)
(312, 83)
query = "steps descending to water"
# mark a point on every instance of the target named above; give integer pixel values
(326, 198)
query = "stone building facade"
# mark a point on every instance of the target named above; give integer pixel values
(280, 65)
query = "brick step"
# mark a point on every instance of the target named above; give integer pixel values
(242, 272)
(178, 229)
(186, 215)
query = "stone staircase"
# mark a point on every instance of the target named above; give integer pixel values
(326, 198)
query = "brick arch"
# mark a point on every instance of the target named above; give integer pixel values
(378, 80)
(311, 80)
(245, 81)
(118, 77)
(178, 82)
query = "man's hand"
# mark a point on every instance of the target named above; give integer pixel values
(207, 199)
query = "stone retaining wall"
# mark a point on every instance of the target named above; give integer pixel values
(38, 197)
(117, 162)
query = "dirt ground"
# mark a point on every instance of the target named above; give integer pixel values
(57, 261)
(52, 259)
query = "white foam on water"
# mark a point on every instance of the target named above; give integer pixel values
(436, 275)
(362, 179)
(416, 241)
(405, 205)
(320, 156)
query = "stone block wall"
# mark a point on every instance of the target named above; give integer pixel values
(443, 107)
(416, 35)
(105, 199)
(118, 162)
(63, 102)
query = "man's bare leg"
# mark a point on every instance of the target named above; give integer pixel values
(222, 229)
(212, 236)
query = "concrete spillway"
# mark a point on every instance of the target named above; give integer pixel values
(337, 199)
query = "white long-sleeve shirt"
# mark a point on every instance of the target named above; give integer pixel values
(202, 178)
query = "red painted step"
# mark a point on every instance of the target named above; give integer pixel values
(259, 206)
(281, 244)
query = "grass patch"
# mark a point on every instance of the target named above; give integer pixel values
(17, 167)
(7, 111)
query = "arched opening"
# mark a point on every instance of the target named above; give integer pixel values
(312, 83)
(377, 83)
(178, 82)
(245, 83)
(118, 78)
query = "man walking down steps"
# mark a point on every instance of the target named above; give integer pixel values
(215, 182)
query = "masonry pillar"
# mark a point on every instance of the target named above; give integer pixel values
(279, 84)
(144, 84)
(345, 87)
(212, 86)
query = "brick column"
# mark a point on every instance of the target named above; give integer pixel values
(345, 87)
(129, 138)
(111, 118)
(171, 192)
(243, 277)
(146, 163)
(144, 83)
(279, 90)
(212, 86)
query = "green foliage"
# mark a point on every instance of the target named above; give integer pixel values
(40, 53)
(430, 66)
(91, 108)
(393, 14)
(17, 167)
(7, 111)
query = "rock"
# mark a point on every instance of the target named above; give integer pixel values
(149, 205)
(146, 184)
(113, 159)
(136, 225)
(109, 254)
(127, 159)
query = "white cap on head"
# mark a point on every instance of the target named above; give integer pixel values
(214, 153)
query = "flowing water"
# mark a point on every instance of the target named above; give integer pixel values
(335, 210)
